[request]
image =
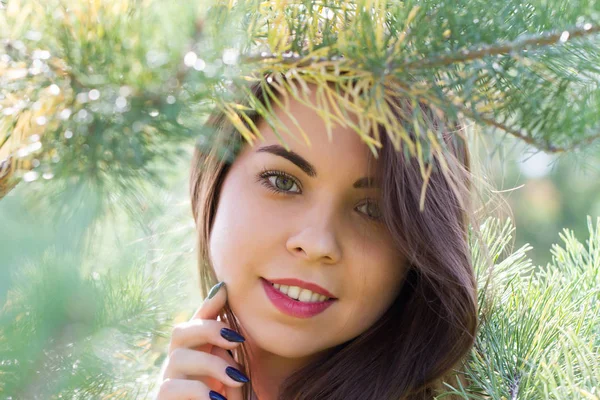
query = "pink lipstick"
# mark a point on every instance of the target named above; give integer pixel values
(292, 307)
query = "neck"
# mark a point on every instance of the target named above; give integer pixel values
(269, 370)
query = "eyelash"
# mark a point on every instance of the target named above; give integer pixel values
(265, 174)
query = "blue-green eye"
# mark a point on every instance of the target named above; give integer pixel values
(372, 212)
(282, 183)
(278, 181)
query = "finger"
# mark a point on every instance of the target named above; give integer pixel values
(219, 352)
(203, 331)
(210, 308)
(177, 389)
(232, 393)
(185, 362)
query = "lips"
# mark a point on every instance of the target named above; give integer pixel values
(313, 287)
(293, 307)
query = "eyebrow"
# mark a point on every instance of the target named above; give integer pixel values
(308, 168)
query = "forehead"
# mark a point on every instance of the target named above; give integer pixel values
(343, 148)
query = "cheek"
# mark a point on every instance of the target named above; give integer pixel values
(377, 282)
(240, 231)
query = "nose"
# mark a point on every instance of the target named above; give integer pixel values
(316, 239)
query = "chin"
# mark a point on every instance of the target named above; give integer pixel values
(284, 341)
(290, 350)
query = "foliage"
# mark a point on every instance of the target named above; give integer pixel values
(92, 318)
(540, 328)
(96, 90)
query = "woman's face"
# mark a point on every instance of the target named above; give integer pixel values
(318, 229)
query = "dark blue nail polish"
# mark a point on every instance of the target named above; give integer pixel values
(232, 336)
(236, 375)
(216, 396)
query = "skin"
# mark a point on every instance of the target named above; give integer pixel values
(320, 231)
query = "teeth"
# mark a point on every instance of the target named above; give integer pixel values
(293, 292)
(305, 296)
(299, 294)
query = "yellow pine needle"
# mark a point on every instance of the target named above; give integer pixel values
(290, 85)
(289, 114)
(438, 154)
(424, 187)
(326, 115)
(279, 86)
(420, 156)
(343, 120)
(425, 173)
(241, 107)
(237, 122)
(330, 95)
(379, 16)
(305, 87)
(252, 125)
(588, 395)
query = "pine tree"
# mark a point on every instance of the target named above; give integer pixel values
(100, 100)
(540, 331)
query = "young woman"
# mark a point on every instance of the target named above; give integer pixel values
(334, 284)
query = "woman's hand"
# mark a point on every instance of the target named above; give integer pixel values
(198, 366)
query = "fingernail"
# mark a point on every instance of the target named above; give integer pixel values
(214, 290)
(232, 336)
(216, 396)
(236, 375)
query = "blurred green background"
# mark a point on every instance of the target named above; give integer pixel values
(543, 193)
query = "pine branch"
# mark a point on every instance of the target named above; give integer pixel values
(540, 328)
(541, 145)
(83, 336)
(405, 42)
(479, 52)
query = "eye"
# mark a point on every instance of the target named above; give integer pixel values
(372, 210)
(282, 183)
(278, 181)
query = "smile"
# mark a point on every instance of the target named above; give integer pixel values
(297, 293)
(301, 307)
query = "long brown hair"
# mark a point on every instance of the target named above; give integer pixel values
(431, 325)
